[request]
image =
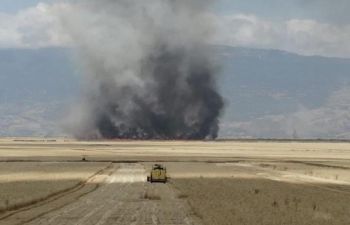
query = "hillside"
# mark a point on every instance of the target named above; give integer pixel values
(268, 93)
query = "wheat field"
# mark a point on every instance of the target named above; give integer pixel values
(214, 182)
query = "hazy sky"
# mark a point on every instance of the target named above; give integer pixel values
(322, 10)
(308, 27)
(328, 11)
(11, 6)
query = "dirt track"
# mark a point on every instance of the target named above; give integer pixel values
(122, 198)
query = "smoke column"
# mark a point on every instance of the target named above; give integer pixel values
(148, 70)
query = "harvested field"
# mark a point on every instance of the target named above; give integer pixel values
(57, 182)
(66, 149)
(261, 201)
(26, 183)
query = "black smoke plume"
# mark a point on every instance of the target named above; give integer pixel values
(149, 74)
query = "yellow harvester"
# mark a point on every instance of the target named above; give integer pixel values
(158, 174)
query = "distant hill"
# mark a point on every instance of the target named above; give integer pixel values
(264, 82)
(273, 93)
(268, 93)
(36, 86)
(38, 75)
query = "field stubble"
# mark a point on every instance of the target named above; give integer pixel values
(260, 201)
(25, 183)
(224, 182)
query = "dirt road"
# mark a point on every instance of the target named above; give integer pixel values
(123, 198)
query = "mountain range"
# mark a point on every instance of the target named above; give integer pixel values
(268, 93)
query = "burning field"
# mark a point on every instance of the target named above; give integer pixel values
(104, 182)
(148, 69)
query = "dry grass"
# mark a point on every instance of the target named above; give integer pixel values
(150, 196)
(120, 150)
(260, 201)
(323, 170)
(25, 183)
(243, 199)
(182, 196)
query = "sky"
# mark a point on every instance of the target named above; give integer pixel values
(266, 8)
(12, 6)
(306, 27)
